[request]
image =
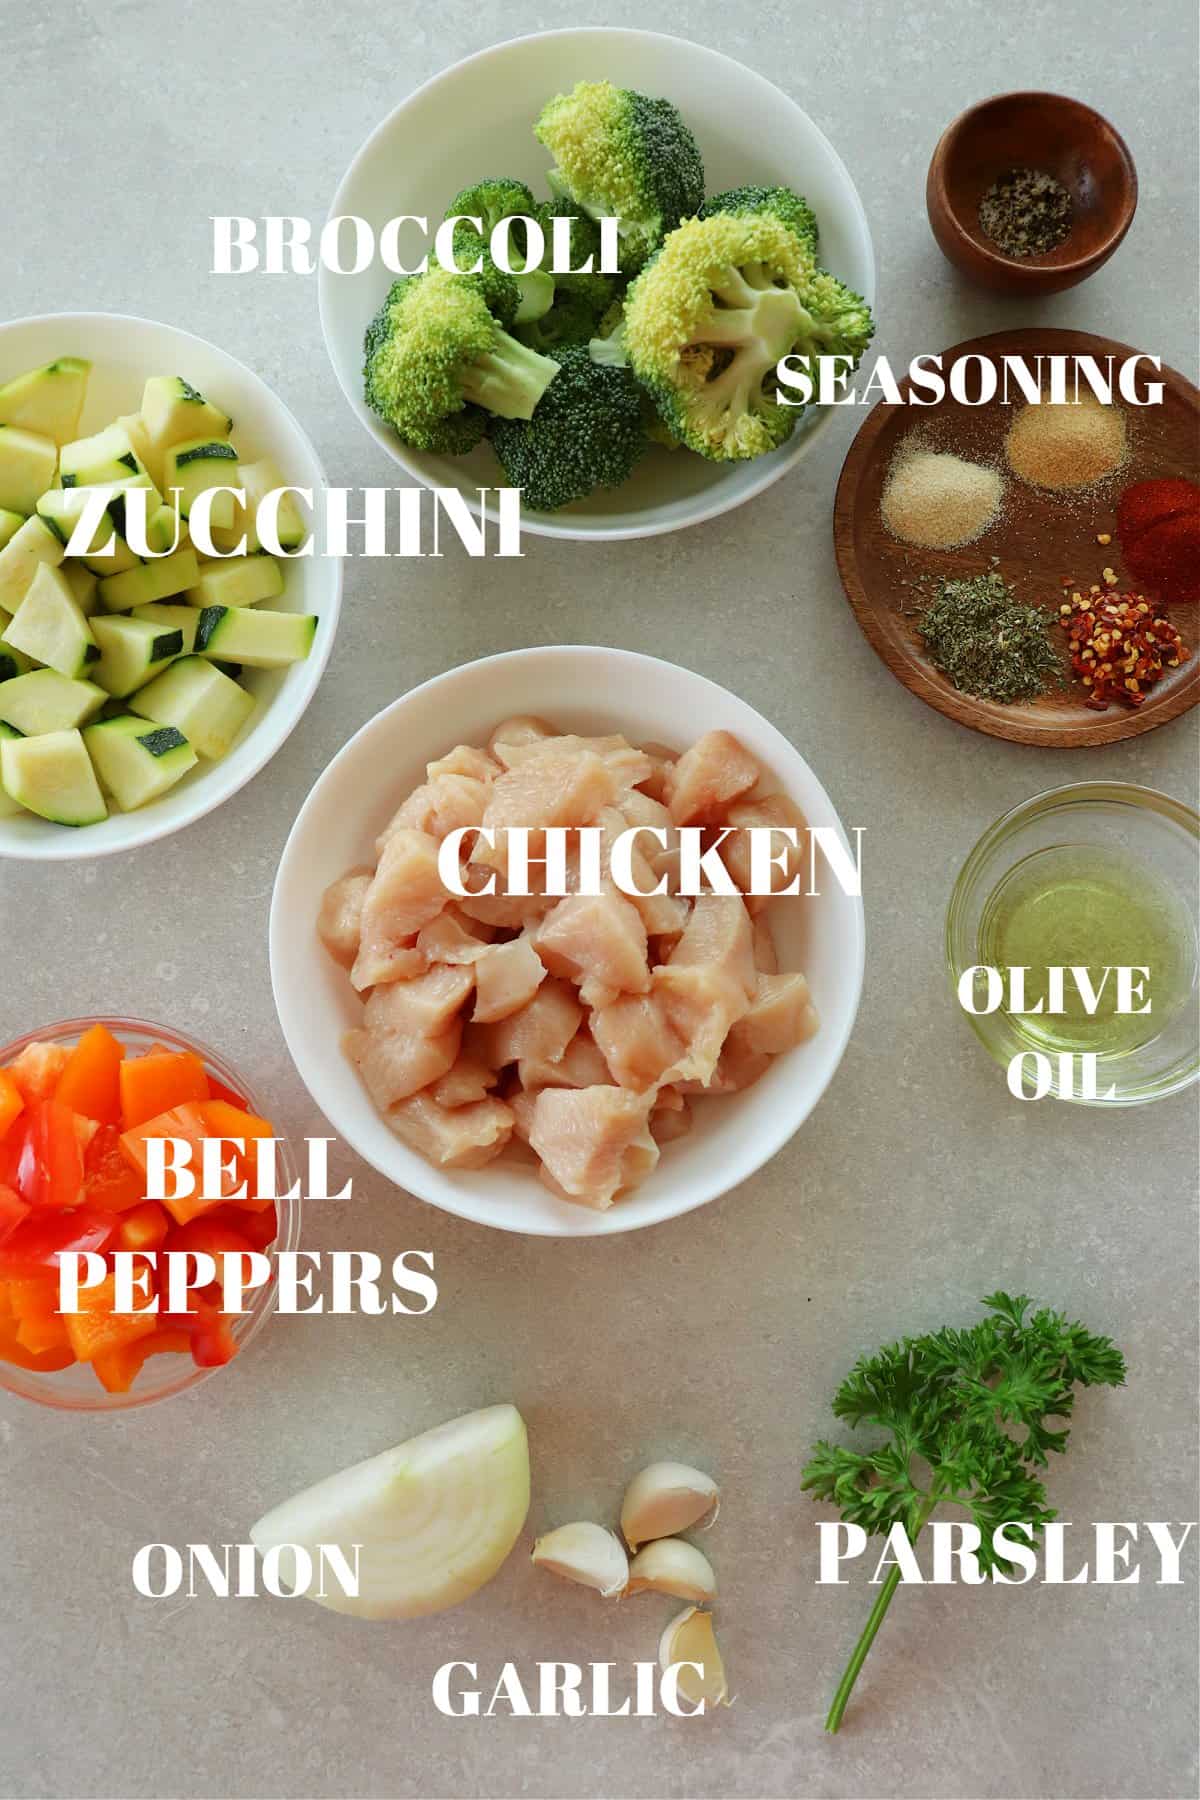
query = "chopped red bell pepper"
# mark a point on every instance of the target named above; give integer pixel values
(38, 1242)
(12, 1210)
(11, 1101)
(42, 1156)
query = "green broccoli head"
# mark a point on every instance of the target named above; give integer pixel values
(570, 320)
(619, 154)
(587, 433)
(711, 316)
(781, 203)
(512, 297)
(435, 357)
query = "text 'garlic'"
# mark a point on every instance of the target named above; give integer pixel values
(669, 1566)
(664, 1499)
(433, 1519)
(585, 1553)
(689, 1638)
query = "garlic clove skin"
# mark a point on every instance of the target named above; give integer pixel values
(690, 1638)
(665, 1499)
(585, 1553)
(669, 1566)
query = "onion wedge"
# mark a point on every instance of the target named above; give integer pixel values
(435, 1518)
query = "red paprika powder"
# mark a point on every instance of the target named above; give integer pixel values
(1158, 523)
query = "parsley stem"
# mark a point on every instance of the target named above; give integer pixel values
(883, 1601)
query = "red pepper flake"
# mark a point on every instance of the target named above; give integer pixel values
(1149, 646)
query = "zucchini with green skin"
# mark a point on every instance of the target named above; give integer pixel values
(43, 700)
(8, 806)
(50, 626)
(10, 524)
(150, 581)
(258, 480)
(198, 700)
(138, 761)
(48, 400)
(255, 636)
(107, 455)
(182, 619)
(174, 412)
(34, 543)
(52, 775)
(107, 552)
(12, 662)
(27, 466)
(190, 469)
(132, 652)
(84, 585)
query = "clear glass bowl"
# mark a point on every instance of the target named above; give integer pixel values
(1163, 836)
(76, 1389)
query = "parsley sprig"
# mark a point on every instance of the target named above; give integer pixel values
(973, 1407)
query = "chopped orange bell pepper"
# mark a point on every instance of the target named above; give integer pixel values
(157, 1082)
(40, 1332)
(186, 1122)
(12, 1351)
(90, 1083)
(98, 1327)
(143, 1228)
(117, 1369)
(11, 1100)
(226, 1121)
(31, 1296)
(109, 1181)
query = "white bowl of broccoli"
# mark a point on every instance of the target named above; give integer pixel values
(661, 131)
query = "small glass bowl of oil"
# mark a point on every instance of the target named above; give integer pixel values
(1093, 877)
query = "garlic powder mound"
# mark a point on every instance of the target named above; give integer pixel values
(1067, 444)
(937, 500)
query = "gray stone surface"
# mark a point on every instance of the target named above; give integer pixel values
(917, 1185)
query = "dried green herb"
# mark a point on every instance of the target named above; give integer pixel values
(1026, 212)
(987, 643)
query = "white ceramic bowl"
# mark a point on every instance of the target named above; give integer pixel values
(418, 159)
(123, 351)
(586, 689)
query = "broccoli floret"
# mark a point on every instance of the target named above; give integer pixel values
(712, 314)
(571, 320)
(579, 299)
(435, 357)
(621, 155)
(511, 298)
(586, 434)
(781, 203)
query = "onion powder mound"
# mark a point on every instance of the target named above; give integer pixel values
(937, 500)
(1065, 445)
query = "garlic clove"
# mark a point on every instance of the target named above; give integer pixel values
(669, 1566)
(585, 1553)
(664, 1499)
(690, 1638)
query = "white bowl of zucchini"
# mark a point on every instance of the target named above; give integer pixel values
(139, 691)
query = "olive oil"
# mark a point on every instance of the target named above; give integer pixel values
(1085, 905)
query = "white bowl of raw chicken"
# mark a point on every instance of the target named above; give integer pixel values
(589, 690)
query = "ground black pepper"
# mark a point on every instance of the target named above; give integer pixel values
(1026, 212)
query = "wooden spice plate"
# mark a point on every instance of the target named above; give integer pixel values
(1038, 538)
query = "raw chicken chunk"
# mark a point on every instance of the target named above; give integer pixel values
(709, 981)
(507, 976)
(662, 762)
(452, 939)
(670, 1116)
(405, 894)
(464, 759)
(539, 1032)
(466, 1082)
(581, 1065)
(422, 1007)
(339, 922)
(462, 1137)
(445, 804)
(553, 787)
(771, 811)
(582, 1136)
(766, 957)
(781, 1016)
(394, 1064)
(524, 729)
(708, 777)
(598, 937)
(637, 1040)
(627, 765)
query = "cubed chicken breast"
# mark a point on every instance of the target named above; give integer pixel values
(507, 976)
(538, 1032)
(422, 1007)
(627, 765)
(766, 957)
(582, 1136)
(465, 1083)
(551, 788)
(637, 1040)
(781, 1016)
(339, 922)
(580, 1065)
(445, 804)
(394, 1064)
(405, 894)
(774, 812)
(523, 729)
(452, 938)
(708, 778)
(597, 937)
(462, 1137)
(709, 981)
(662, 762)
(670, 1116)
(464, 759)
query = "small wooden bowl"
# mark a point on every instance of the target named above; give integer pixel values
(1058, 136)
